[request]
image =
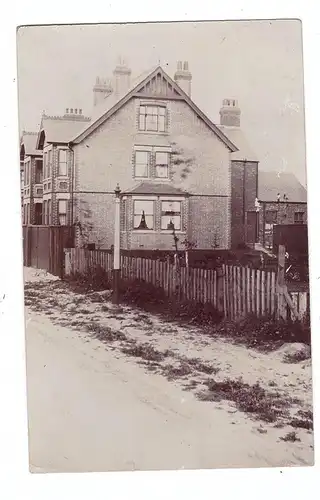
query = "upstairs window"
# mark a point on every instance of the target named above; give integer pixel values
(62, 162)
(299, 217)
(152, 118)
(143, 215)
(171, 215)
(49, 162)
(162, 161)
(39, 172)
(141, 167)
(62, 212)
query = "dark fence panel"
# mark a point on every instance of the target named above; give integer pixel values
(293, 236)
(43, 247)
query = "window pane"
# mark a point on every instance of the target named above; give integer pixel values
(152, 122)
(62, 206)
(143, 205)
(161, 158)
(143, 223)
(62, 155)
(171, 206)
(142, 122)
(63, 220)
(166, 219)
(162, 111)
(142, 162)
(142, 110)
(162, 171)
(161, 123)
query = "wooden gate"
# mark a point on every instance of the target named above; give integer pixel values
(43, 247)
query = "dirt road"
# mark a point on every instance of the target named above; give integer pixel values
(93, 408)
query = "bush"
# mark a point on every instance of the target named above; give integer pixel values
(97, 279)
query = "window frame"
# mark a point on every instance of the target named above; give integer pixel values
(63, 163)
(176, 214)
(40, 179)
(159, 152)
(300, 213)
(145, 116)
(134, 214)
(60, 213)
(148, 153)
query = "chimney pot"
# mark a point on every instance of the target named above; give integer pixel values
(80, 111)
(67, 111)
(71, 111)
(76, 111)
(230, 113)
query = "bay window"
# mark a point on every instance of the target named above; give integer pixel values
(62, 162)
(171, 215)
(143, 214)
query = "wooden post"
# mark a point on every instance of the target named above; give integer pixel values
(116, 252)
(280, 281)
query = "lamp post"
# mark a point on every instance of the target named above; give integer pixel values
(116, 250)
(258, 206)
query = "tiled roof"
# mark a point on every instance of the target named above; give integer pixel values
(272, 183)
(61, 130)
(156, 188)
(113, 102)
(29, 142)
(236, 135)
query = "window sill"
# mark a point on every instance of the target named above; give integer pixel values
(152, 132)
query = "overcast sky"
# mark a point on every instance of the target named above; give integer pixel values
(257, 62)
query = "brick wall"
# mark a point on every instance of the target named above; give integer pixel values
(105, 158)
(284, 214)
(244, 192)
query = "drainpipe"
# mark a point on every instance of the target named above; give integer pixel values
(72, 184)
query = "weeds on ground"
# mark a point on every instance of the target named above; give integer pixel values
(173, 372)
(291, 437)
(297, 357)
(146, 351)
(250, 399)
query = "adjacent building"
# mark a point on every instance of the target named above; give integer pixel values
(283, 200)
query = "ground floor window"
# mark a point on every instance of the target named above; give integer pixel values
(143, 214)
(62, 212)
(38, 214)
(298, 217)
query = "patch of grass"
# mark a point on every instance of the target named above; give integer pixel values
(198, 365)
(290, 437)
(174, 372)
(299, 423)
(145, 351)
(104, 333)
(296, 357)
(192, 384)
(251, 399)
(83, 311)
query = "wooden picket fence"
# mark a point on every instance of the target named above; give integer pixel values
(236, 291)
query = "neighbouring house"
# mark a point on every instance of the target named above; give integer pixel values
(31, 179)
(283, 200)
(47, 161)
(173, 164)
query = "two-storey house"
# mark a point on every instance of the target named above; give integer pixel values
(173, 164)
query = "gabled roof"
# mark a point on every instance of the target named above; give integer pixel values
(236, 135)
(29, 142)
(59, 129)
(113, 103)
(156, 189)
(272, 183)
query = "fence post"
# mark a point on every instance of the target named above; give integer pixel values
(280, 282)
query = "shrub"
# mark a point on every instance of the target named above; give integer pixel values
(96, 279)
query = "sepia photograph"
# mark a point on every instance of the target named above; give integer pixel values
(164, 222)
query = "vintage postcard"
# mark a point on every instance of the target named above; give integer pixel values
(165, 246)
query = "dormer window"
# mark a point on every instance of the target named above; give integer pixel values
(152, 118)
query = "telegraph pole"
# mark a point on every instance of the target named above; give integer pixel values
(116, 250)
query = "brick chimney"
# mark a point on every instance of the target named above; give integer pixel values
(121, 76)
(183, 77)
(101, 90)
(230, 113)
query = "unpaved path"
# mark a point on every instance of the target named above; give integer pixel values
(93, 408)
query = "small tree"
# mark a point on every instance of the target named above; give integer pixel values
(86, 227)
